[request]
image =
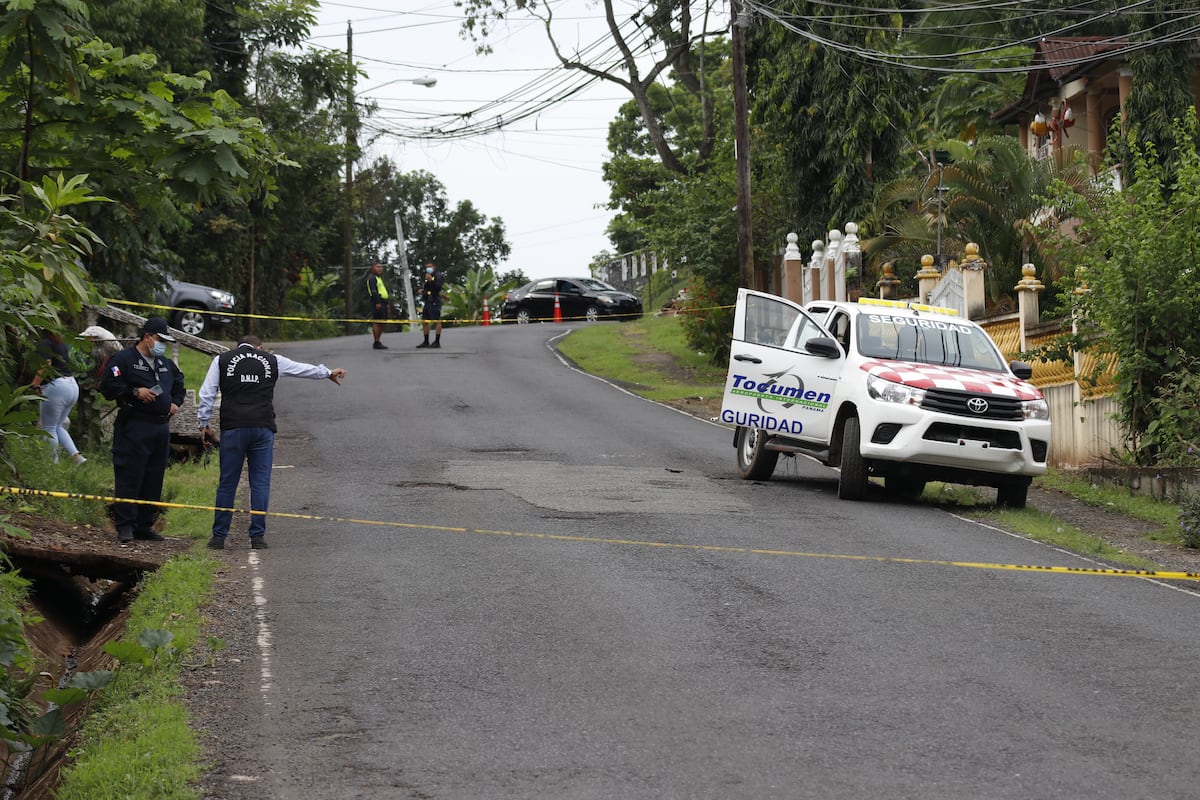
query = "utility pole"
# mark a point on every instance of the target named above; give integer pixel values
(351, 146)
(405, 275)
(741, 139)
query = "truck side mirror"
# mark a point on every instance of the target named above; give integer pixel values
(1021, 370)
(824, 347)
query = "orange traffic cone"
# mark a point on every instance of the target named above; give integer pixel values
(487, 315)
(557, 309)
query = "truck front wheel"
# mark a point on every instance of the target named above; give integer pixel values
(852, 483)
(754, 462)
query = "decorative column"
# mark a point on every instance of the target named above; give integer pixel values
(1124, 86)
(888, 284)
(829, 268)
(927, 278)
(849, 263)
(812, 275)
(1095, 131)
(974, 286)
(1027, 302)
(793, 270)
(1078, 420)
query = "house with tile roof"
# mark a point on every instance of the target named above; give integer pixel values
(1074, 92)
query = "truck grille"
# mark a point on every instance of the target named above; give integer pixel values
(947, 432)
(949, 401)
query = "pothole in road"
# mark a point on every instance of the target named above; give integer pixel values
(430, 485)
(500, 451)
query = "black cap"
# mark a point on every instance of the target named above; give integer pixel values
(158, 327)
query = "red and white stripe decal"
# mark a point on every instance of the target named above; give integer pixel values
(928, 376)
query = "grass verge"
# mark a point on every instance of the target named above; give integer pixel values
(1051, 530)
(1040, 526)
(649, 356)
(1114, 498)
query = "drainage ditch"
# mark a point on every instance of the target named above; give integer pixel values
(80, 613)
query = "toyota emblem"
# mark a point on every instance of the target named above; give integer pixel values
(977, 405)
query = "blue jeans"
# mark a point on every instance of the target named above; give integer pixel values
(256, 448)
(61, 395)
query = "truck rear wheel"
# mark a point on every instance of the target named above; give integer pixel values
(754, 462)
(904, 486)
(852, 483)
(1013, 494)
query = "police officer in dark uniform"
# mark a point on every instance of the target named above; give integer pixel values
(431, 306)
(148, 388)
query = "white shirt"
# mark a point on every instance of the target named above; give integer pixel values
(287, 368)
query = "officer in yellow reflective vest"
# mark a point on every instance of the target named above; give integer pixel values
(377, 291)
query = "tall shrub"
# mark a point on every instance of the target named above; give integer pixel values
(1140, 250)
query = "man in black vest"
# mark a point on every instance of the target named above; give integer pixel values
(149, 390)
(246, 378)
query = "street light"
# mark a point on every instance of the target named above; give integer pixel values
(425, 81)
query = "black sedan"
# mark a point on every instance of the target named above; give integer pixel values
(578, 298)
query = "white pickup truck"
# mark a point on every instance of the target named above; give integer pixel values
(903, 391)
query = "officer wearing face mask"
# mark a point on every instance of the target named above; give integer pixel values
(148, 389)
(431, 306)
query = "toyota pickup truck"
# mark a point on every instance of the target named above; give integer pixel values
(902, 391)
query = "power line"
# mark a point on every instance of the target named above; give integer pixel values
(910, 61)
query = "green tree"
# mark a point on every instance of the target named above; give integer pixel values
(659, 38)
(833, 124)
(158, 143)
(257, 248)
(637, 178)
(455, 237)
(1162, 90)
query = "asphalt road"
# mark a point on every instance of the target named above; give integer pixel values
(553, 615)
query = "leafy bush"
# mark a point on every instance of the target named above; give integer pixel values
(707, 322)
(315, 300)
(1174, 428)
(1189, 519)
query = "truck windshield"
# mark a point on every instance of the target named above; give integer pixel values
(927, 340)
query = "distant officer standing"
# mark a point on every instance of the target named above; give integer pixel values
(246, 378)
(148, 388)
(431, 306)
(377, 291)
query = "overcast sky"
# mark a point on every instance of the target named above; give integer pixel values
(542, 174)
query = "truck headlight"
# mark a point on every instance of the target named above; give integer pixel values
(1036, 409)
(892, 392)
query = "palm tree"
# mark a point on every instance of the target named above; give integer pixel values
(465, 302)
(993, 194)
(314, 300)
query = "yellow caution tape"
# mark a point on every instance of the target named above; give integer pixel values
(707, 548)
(392, 321)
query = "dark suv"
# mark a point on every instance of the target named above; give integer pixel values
(196, 309)
(578, 298)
